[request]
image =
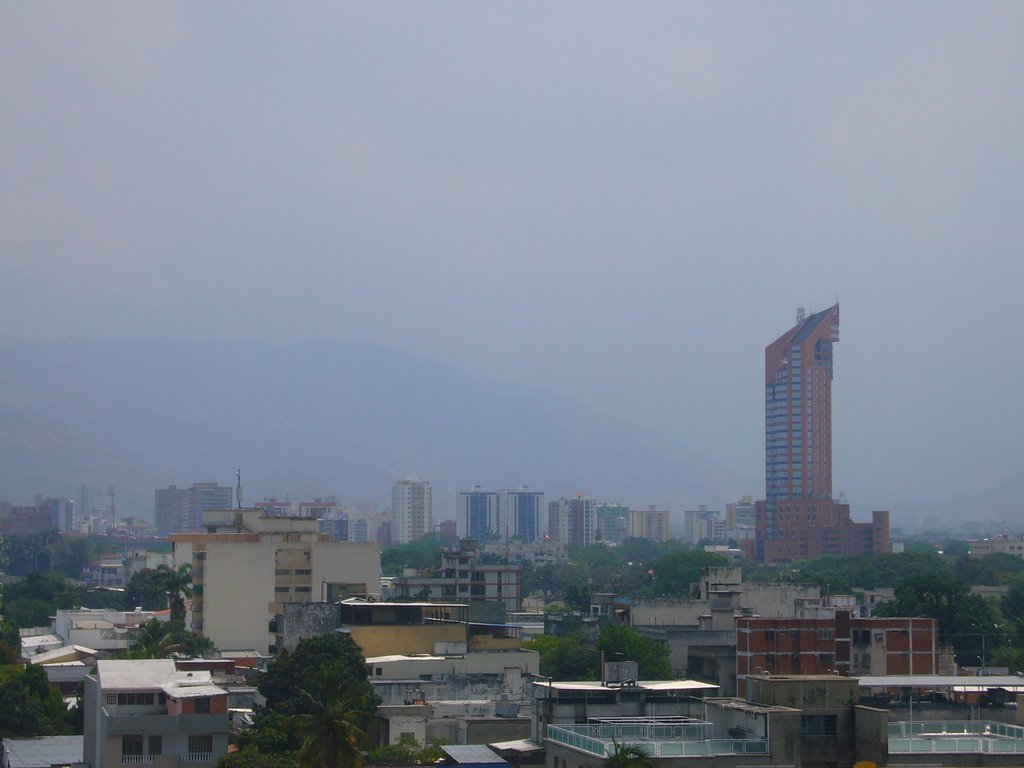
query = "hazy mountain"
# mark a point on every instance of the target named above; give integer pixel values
(317, 418)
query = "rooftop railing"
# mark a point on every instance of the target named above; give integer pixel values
(956, 736)
(663, 741)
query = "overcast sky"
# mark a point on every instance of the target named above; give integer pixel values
(625, 202)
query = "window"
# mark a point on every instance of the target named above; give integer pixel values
(825, 634)
(303, 589)
(110, 698)
(135, 699)
(156, 745)
(131, 744)
(200, 744)
(202, 705)
(818, 725)
(303, 571)
(281, 590)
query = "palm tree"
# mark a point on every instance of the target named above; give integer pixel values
(627, 756)
(332, 731)
(154, 642)
(177, 583)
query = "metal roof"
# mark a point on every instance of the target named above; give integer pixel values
(647, 685)
(472, 753)
(967, 682)
(44, 751)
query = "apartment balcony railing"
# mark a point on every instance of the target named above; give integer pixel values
(197, 757)
(135, 759)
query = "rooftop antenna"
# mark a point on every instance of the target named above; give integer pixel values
(238, 487)
(801, 314)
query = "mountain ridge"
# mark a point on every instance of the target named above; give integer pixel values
(318, 417)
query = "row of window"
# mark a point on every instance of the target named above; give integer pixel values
(135, 699)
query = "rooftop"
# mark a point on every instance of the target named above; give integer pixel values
(153, 674)
(44, 750)
(646, 685)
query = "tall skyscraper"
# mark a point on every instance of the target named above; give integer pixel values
(411, 510)
(798, 518)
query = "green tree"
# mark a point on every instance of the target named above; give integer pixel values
(146, 589)
(333, 727)
(566, 658)
(31, 601)
(29, 706)
(674, 573)
(619, 642)
(992, 570)
(71, 555)
(627, 756)
(177, 583)
(407, 751)
(161, 639)
(967, 620)
(282, 682)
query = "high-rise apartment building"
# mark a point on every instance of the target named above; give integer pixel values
(798, 518)
(411, 510)
(651, 523)
(177, 510)
(573, 521)
(523, 511)
(476, 514)
(484, 515)
(702, 524)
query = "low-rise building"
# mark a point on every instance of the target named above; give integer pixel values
(103, 629)
(41, 752)
(147, 711)
(811, 722)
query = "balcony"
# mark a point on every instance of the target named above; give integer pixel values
(659, 737)
(133, 759)
(197, 757)
(164, 725)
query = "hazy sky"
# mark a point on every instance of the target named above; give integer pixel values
(625, 202)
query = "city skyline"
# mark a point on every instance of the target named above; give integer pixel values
(616, 229)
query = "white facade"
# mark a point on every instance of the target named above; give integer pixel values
(102, 629)
(250, 564)
(147, 711)
(411, 510)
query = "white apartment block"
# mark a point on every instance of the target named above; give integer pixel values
(148, 712)
(411, 510)
(246, 566)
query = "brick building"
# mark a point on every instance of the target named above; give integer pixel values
(837, 644)
(798, 518)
